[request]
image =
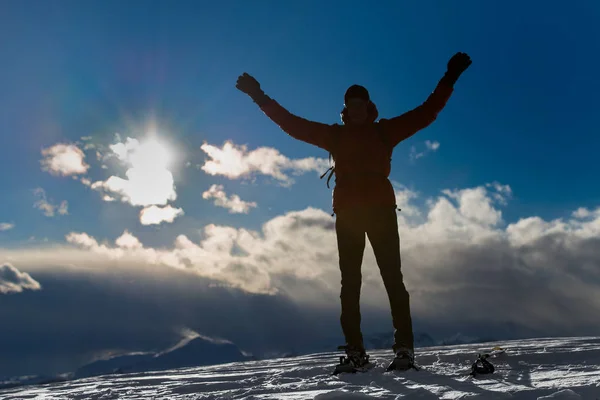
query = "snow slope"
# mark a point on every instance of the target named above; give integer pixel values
(565, 368)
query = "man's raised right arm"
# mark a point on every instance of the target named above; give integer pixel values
(315, 133)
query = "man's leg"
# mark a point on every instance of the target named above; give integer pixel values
(383, 235)
(351, 246)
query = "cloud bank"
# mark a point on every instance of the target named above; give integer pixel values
(455, 248)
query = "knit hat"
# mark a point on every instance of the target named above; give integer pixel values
(357, 91)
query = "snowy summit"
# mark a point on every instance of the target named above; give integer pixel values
(559, 369)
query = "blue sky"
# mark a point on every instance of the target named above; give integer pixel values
(515, 154)
(522, 114)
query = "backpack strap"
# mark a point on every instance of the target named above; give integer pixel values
(334, 146)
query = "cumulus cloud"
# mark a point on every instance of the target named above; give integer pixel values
(82, 239)
(233, 203)
(236, 162)
(64, 160)
(429, 147)
(6, 226)
(148, 178)
(476, 205)
(584, 213)
(128, 241)
(154, 215)
(14, 281)
(47, 206)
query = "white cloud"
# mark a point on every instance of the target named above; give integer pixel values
(14, 281)
(6, 226)
(128, 241)
(429, 147)
(47, 206)
(63, 208)
(475, 204)
(154, 215)
(584, 213)
(82, 239)
(233, 203)
(64, 160)
(404, 197)
(433, 146)
(148, 178)
(236, 162)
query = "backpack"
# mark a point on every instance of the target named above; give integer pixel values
(336, 136)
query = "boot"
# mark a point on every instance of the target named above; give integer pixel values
(403, 361)
(356, 360)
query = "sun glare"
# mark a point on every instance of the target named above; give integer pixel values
(149, 178)
(152, 154)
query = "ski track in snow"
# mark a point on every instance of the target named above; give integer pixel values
(556, 369)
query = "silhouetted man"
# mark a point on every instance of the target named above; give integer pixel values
(364, 198)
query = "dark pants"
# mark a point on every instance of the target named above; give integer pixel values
(381, 227)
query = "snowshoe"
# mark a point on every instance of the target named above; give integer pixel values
(482, 366)
(403, 361)
(355, 360)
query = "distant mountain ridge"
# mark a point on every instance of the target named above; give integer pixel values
(196, 352)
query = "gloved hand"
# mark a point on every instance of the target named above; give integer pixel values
(457, 65)
(247, 84)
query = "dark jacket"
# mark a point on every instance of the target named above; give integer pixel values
(362, 153)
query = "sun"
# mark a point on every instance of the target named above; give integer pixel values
(149, 180)
(152, 154)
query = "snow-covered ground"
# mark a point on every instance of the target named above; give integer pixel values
(566, 368)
